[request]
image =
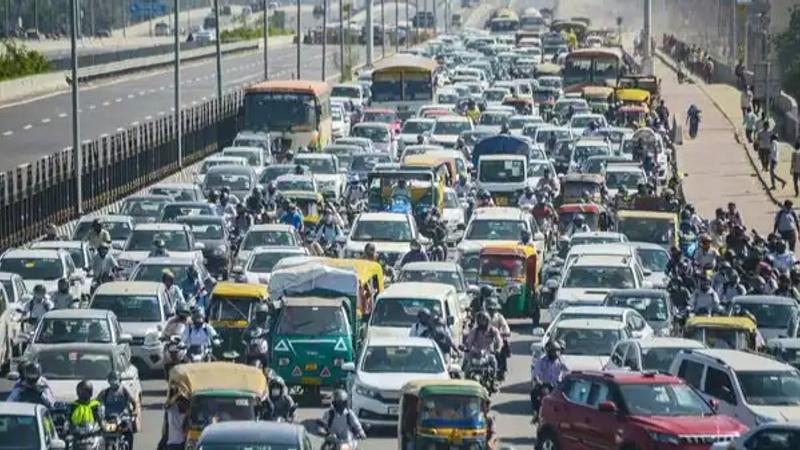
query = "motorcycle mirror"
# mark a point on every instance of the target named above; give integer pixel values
(239, 270)
(12, 376)
(349, 367)
(538, 331)
(57, 444)
(199, 246)
(125, 338)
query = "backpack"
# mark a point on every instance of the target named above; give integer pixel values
(332, 415)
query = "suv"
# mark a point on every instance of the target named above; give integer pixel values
(630, 410)
(754, 389)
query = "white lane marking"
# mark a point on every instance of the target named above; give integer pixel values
(27, 127)
(171, 86)
(141, 92)
(194, 102)
(8, 133)
(152, 91)
(205, 98)
(135, 123)
(62, 115)
(197, 79)
(120, 129)
(91, 107)
(117, 100)
(46, 120)
(161, 88)
(131, 96)
(148, 117)
(106, 103)
(161, 113)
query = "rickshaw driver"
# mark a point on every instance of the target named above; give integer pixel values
(342, 422)
(401, 192)
(578, 225)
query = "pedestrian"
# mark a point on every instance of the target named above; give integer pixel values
(795, 169)
(709, 70)
(746, 100)
(774, 154)
(787, 225)
(764, 143)
(741, 83)
(175, 426)
(750, 121)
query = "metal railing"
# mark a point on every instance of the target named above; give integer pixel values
(44, 191)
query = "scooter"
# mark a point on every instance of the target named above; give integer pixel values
(257, 347)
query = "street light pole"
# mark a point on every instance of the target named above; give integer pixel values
(266, 40)
(408, 26)
(647, 59)
(383, 30)
(178, 124)
(324, 37)
(396, 26)
(219, 50)
(76, 126)
(299, 40)
(370, 33)
(341, 37)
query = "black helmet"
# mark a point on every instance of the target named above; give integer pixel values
(182, 309)
(85, 390)
(484, 195)
(31, 372)
(261, 312)
(424, 315)
(487, 291)
(493, 305)
(276, 382)
(553, 345)
(482, 319)
(340, 400)
(579, 219)
(159, 243)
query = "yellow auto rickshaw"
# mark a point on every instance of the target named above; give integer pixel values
(444, 167)
(631, 96)
(598, 98)
(370, 279)
(512, 270)
(575, 187)
(450, 414)
(230, 310)
(308, 203)
(216, 392)
(632, 116)
(725, 332)
(425, 186)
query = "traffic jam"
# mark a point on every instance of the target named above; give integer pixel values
(375, 248)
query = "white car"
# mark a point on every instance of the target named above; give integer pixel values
(379, 133)
(267, 235)
(448, 128)
(655, 353)
(178, 237)
(391, 233)
(385, 366)
(597, 238)
(258, 268)
(118, 226)
(412, 129)
(254, 155)
(217, 160)
(500, 225)
(636, 324)
(588, 342)
(654, 259)
(353, 92)
(440, 272)
(396, 308)
(45, 267)
(777, 436)
(340, 126)
(325, 167)
(496, 95)
(580, 122)
(453, 216)
(624, 178)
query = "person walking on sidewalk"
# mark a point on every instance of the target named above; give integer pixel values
(709, 70)
(739, 72)
(795, 169)
(764, 143)
(746, 100)
(774, 154)
(787, 225)
(750, 123)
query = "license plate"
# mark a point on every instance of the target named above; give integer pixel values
(311, 367)
(392, 410)
(310, 381)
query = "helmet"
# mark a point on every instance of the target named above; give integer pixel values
(261, 312)
(31, 372)
(553, 345)
(85, 390)
(415, 245)
(487, 291)
(424, 315)
(528, 190)
(198, 315)
(579, 219)
(482, 319)
(159, 243)
(340, 399)
(493, 305)
(354, 179)
(276, 383)
(182, 309)
(271, 187)
(369, 248)
(484, 195)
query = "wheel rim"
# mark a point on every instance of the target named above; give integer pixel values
(548, 444)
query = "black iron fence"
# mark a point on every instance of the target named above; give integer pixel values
(44, 191)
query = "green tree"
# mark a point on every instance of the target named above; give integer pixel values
(787, 47)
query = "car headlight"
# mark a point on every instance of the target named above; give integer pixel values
(366, 391)
(151, 339)
(664, 438)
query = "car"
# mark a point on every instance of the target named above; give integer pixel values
(587, 342)
(364, 143)
(547, 133)
(562, 107)
(648, 354)
(379, 133)
(493, 120)
(144, 208)
(773, 313)
(447, 129)
(256, 159)
(777, 436)
(46, 267)
(754, 388)
(637, 326)
(419, 149)
(239, 180)
(654, 259)
(630, 410)
(385, 366)
(596, 237)
(586, 148)
(453, 216)
(412, 129)
(624, 179)
(258, 268)
(187, 192)
(577, 251)
(340, 126)
(396, 308)
(517, 122)
(217, 160)
(329, 175)
(28, 426)
(440, 272)
(579, 122)
(352, 92)
(500, 225)
(496, 95)
(246, 434)
(10, 328)
(385, 116)
(422, 111)
(344, 154)
(79, 251)
(177, 236)
(273, 171)
(653, 304)
(172, 211)
(118, 226)
(588, 279)
(152, 268)
(297, 183)
(267, 235)
(142, 309)
(446, 96)
(205, 36)
(71, 326)
(212, 232)
(260, 139)
(16, 291)
(65, 365)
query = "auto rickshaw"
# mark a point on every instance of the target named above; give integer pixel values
(593, 213)
(512, 270)
(217, 392)
(647, 83)
(725, 332)
(631, 96)
(425, 186)
(230, 310)
(656, 227)
(598, 98)
(450, 414)
(444, 167)
(634, 116)
(576, 186)
(308, 203)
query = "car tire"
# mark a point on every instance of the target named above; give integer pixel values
(547, 441)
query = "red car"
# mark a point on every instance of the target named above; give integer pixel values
(630, 411)
(383, 115)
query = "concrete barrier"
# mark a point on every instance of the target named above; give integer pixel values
(34, 85)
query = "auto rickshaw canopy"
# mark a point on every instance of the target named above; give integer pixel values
(722, 322)
(240, 290)
(187, 380)
(423, 388)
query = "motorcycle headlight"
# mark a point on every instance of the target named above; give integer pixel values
(366, 391)
(664, 438)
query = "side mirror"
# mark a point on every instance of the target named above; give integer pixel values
(609, 407)
(714, 404)
(116, 245)
(238, 270)
(424, 240)
(538, 332)
(646, 272)
(538, 236)
(12, 376)
(57, 444)
(199, 246)
(125, 338)
(349, 367)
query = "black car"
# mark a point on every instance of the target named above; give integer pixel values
(213, 233)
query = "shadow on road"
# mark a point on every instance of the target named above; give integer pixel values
(521, 347)
(519, 441)
(520, 407)
(516, 388)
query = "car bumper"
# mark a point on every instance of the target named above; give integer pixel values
(151, 358)
(374, 412)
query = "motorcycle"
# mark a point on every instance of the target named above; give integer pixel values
(480, 368)
(200, 353)
(257, 347)
(332, 442)
(86, 437)
(538, 392)
(114, 429)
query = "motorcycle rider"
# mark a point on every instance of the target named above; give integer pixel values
(547, 373)
(293, 217)
(51, 233)
(39, 305)
(117, 400)
(473, 112)
(279, 404)
(484, 337)
(104, 266)
(192, 288)
(435, 229)
(174, 294)
(243, 220)
(499, 322)
(261, 323)
(578, 225)
(485, 199)
(705, 300)
(423, 323)
(62, 298)
(328, 229)
(341, 422)
(706, 254)
(226, 205)
(479, 301)
(786, 289)
(200, 333)
(85, 410)
(255, 201)
(527, 198)
(783, 259)
(98, 235)
(415, 254)
(370, 252)
(462, 186)
(175, 326)
(159, 248)
(678, 294)
(355, 189)
(32, 387)
(547, 181)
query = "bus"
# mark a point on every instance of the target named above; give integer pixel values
(592, 67)
(296, 113)
(504, 21)
(404, 82)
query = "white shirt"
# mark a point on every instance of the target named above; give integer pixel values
(175, 421)
(774, 151)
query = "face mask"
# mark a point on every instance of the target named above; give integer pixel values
(114, 385)
(63, 289)
(552, 355)
(276, 393)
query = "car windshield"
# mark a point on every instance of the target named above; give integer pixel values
(770, 388)
(267, 238)
(495, 95)
(374, 230)
(295, 184)
(172, 211)
(207, 231)
(346, 91)
(270, 173)
(225, 308)
(19, 432)
(554, 83)
(583, 152)
(653, 259)
(154, 272)
(374, 134)
(130, 308)
(599, 277)
(208, 409)
(519, 122)
(658, 359)
(142, 240)
(379, 359)
(253, 157)
(264, 262)
(647, 230)
(233, 181)
(142, 207)
(653, 309)
(451, 200)
(119, 231)
(312, 321)
(496, 118)
(770, 315)
(452, 411)
(365, 163)
(582, 121)
(449, 98)
(662, 399)
(502, 267)
(417, 127)
(450, 277)
(451, 127)
(75, 365)
(495, 230)
(401, 313)
(543, 136)
(594, 240)
(379, 116)
(501, 171)
(59, 331)
(584, 341)
(323, 166)
(624, 180)
(33, 268)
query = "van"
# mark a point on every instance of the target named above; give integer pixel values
(396, 309)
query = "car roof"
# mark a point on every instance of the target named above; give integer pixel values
(106, 218)
(382, 217)
(28, 253)
(371, 125)
(590, 324)
(128, 288)
(100, 347)
(8, 275)
(647, 246)
(416, 289)
(313, 156)
(639, 292)
(498, 212)
(160, 226)
(598, 310)
(271, 227)
(764, 299)
(438, 266)
(743, 361)
(168, 260)
(630, 377)
(503, 157)
(58, 244)
(668, 342)
(279, 249)
(249, 432)
(381, 340)
(598, 234)
(601, 260)
(79, 313)
(452, 118)
(19, 408)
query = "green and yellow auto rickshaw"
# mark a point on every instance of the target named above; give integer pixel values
(308, 203)
(230, 309)
(216, 392)
(444, 414)
(512, 270)
(425, 186)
